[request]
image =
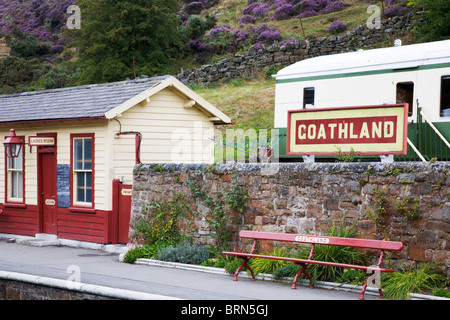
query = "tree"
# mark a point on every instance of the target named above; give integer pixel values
(115, 36)
(437, 20)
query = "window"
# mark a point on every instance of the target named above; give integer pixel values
(15, 178)
(82, 170)
(308, 97)
(405, 94)
(445, 96)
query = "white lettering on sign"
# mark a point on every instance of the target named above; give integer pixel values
(309, 239)
(127, 192)
(42, 141)
(50, 202)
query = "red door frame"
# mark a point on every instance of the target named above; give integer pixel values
(40, 152)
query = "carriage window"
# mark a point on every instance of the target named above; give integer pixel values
(405, 94)
(308, 97)
(445, 96)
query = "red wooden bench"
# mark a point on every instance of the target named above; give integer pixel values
(381, 245)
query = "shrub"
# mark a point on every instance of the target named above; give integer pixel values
(394, 11)
(249, 8)
(333, 254)
(184, 253)
(260, 10)
(265, 34)
(194, 7)
(337, 27)
(306, 14)
(283, 12)
(160, 222)
(246, 19)
(231, 266)
(195, 27)
(146, 251)
(334, 7)
(260, 265)
(399, 285)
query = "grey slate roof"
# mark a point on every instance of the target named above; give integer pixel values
(89, 101)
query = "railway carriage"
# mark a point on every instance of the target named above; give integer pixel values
(416, 74)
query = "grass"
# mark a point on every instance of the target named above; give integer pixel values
(230, 11)
(248, 102)
(399, 285)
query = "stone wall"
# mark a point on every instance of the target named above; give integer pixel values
(306, 197)
(20, 290)
(253, 60)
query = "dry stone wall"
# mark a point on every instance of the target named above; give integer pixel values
(412, 198)
(275, 55)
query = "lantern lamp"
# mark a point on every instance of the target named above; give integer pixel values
(13, 144)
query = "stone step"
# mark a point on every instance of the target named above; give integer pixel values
(40, 240)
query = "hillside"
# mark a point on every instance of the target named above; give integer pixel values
(39, 55)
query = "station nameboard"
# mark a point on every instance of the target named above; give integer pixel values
(370, 130)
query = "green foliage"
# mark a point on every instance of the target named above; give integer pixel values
(184, 253)
(333, 254)
(195, 27)
(437, 20)
(58, 77)
(145, 251)
(384, 204)
(17, 74)
(160, 221)
(346, 156)
(26, 45)
(236, 197)
(218, 217)
(288, 270)
(114, 33)
(232, 265)
(260, 265)
(352, 276)
(399, 285)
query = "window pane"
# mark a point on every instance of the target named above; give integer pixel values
(88, 190)
(88, 154)
(405, 94)
(19, 160)
(80, 187)
(19, 184)
(14, 186)
(308, 96)
(78, 154)
(445, 97)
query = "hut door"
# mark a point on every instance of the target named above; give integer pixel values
(47, 190)
(124, 212)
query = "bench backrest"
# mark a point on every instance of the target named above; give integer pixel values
(335, 241)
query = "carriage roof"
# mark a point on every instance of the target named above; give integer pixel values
(424, 55)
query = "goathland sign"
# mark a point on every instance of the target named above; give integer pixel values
(371, 130)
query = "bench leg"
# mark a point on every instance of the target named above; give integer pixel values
(361, 295)
(303, 270)
(245, 263)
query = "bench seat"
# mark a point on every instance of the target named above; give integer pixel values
(314, 240)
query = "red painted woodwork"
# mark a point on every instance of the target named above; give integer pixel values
(313, 240)
(346, 242)
(22, 221)
(48, 197)
(124, 212)
(15, 204)
(82, 135)
(91, 227)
